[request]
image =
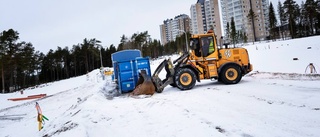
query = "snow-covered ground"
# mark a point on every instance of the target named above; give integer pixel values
(278, 99)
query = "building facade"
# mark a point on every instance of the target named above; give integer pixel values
(205, 15)
(171, 28)
(256, 28)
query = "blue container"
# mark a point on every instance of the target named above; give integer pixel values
(123, 56)
(127, 65)
(143, 64)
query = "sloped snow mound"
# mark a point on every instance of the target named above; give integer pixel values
(110, 90)
(285, 76)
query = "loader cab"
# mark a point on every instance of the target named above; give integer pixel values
(203, 45)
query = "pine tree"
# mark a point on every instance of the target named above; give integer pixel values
(240, 36)
(291, 12)
(251, 18)
(318, 17)
(228, 31)
(7, 51)
(282, 18)
(123, 42)
(311, 13)
(302, 23)
(272, 22)
(245, 38)
(233, 33)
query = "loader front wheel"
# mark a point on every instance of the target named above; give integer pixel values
(173, 85)
(231, 74)
(185, 79)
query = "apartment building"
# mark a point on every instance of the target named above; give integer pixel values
(239, 10)
(171, 28)
(204, 15)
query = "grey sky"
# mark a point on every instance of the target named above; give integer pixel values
(48, 24)
(51, 23)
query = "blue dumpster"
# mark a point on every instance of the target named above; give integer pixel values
(127, 64)
(123, 56)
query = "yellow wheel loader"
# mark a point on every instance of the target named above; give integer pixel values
(205, 60)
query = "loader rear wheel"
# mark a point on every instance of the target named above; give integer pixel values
(231, 74)
(185, 79)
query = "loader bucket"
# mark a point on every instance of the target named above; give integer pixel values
(148, 85)
(144, 85)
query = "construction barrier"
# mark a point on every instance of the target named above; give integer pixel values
(28, 97)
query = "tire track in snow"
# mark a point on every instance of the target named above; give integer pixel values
(187, 115)
(270, 101)
(284, 76)
(79, 95)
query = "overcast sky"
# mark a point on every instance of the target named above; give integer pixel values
(48, 24)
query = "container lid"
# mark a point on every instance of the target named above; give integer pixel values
(125, 55)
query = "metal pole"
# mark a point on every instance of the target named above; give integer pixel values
(185, 33)
(101, 56)
(2, 77)
(186, 41)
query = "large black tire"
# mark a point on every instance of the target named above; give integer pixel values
(219, 79)
(173, 84)
(230, 74)
(185, 79)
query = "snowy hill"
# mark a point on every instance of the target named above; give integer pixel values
(278, 56)
(277, 99)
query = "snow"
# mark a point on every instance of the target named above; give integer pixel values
(278, 56)
(277, 99)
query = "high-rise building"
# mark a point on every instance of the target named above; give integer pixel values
(239, 10)
(205, 15)
(171, 28)
(163, 34)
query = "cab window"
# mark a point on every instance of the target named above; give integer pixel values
(207, 44)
